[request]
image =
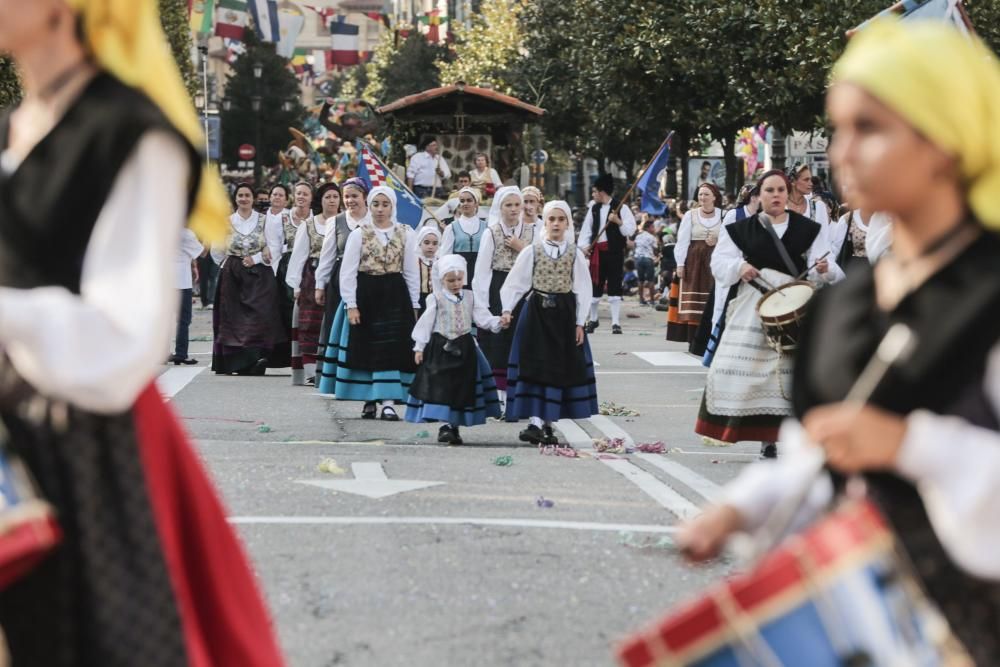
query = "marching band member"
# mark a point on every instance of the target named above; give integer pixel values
(918, 100)
(507, 236)
(550, 374)
(454, 382)
(748, 391)
(379, 291)
(606, 249)
(148, 571)
(463, 234)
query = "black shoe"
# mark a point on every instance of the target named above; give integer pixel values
(449, 435)
(311, 381)
(548, 436)
(172, 359)
(369, 411)
(389, 414)
(532, 434)
(768, 450)
(589, 327)
(616, 329)
(187, 362)
(260, 368)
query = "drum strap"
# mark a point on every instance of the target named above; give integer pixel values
(782, 250)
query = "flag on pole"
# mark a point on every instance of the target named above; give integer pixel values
(344, 42)
(374, 172)
(231, 18)
(265, 19)
(290, 23)
(649, 182)
(202, 15)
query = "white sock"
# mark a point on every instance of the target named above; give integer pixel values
(387, 404)
(536, 421)
(502, 395)
(593, 309)
(616, 309)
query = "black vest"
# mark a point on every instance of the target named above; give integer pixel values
(760, 250)
(955, 316)
(50, 204)
(616, 240)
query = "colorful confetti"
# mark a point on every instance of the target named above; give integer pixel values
(652, 447)
(330, 466)
(612, 409)
(503, 461)
(610, 445)
(545, 502)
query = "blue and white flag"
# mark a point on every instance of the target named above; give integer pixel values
(374, 172)
(265, 19)
(649, 182)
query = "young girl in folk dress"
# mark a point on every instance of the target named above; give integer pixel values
(379, 290)
(696, 238)
(531, 214)
(428, 239)
(301, 278)
(551, 372)
(454, 382)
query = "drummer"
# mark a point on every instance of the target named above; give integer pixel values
(919, 101)
(748, 391)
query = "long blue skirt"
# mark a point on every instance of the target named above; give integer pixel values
(487, 404)
(528, 399)
(351, 384)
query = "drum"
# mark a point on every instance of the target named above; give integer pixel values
(781, 312)
(833, 596)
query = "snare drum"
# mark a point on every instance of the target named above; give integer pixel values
(830, 597)
(781, 312)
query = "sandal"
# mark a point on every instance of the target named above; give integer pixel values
(389, 414)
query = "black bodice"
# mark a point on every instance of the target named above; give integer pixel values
(759, 248)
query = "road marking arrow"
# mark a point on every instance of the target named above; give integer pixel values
(369, 480)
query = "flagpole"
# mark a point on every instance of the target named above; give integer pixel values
(629, 191)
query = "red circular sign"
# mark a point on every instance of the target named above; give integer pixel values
(247, 152)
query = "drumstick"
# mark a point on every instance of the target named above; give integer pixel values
(806, 272)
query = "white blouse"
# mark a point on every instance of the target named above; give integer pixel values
(519, 279)
(684, 233)
(425, 325)
(98, 350)
(328, 255)
(300, 250)
(351, 264)
(954, 465)
(728, 259)
(627, 228)
(274, 229)
(273, 238)
(484, 261)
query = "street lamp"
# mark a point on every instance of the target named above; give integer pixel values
(255, 102)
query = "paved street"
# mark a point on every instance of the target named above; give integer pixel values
(465, 568)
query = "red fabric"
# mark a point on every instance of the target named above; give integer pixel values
(222, 613)
(743, 433)
(595, 261)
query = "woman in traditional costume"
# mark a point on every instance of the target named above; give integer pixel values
(309, 240)
(379, 291)
(506, 237)
(428, 241)
(148, 571)
(353, 192)
(464, 234)
(454, 382)
(285, 223)
(696, 239)
(484, 177)
(802, 200)
(550, 374)
(748, 390)
(920, 101)
(246, 321)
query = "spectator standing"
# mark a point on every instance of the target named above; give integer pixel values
(428, 169)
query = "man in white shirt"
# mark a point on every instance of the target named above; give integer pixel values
(427, 170)
(189, 250)
(603, 238)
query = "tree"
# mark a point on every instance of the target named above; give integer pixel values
(174, 19)
(487, 51)
(10, 89)
(276, 86)
(401, 67)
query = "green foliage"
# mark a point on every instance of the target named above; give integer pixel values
(488, 50)
(398, 70)
(10, 88)
(174, 18)
(276, 86)
(985, 15)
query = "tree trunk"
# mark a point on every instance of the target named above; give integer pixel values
(728, 137)
(683, 148)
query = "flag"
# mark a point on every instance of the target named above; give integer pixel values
(325, 13)
(234, 49)
(374, 172)
(649, 183)
(344, 41)
(265, 19)
(290, 23)
(231, 18)
(319, 61)
(202, 15)
(432, 20)
(380, 17)
(951, 11)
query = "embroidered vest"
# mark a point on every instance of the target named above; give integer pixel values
(503, 257)
(857, 235)
(343, 231)
(453, 319)
(699, 231)
(467, 242)
(426, 284)
(379, 260)
(289, 229)
(247, 245)
(554, 276)
(315, 238)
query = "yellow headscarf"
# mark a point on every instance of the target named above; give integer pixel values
(947, 86)
(127, 41)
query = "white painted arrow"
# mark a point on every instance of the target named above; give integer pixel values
(370, 481)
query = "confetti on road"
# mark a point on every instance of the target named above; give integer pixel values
(661, 543)
(556, 450)
(263, 428)
(330, 466)
(423, 434)
(503, 461)
(545, 502)
(612, 409)
(610, 445)
(651, 447)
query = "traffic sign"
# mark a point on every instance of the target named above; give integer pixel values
(247, 152)
(540, 156)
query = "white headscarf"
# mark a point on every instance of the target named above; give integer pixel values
(452, 264)
(388, 192)
(472, 191)
(562, 206)
(422, 233)
(503, 193)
